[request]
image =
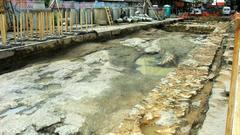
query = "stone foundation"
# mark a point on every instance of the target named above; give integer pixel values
(178, 104)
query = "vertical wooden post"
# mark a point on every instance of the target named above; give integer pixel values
(21, 25)
(1, 25)
(76, 19)
(38, 24)
(58, 23)
(92, 19)
(17, 22)
(47, 22)
(43, 25)
(53, 22)
(14, 28)
(81, 19)
(71, 21)
(61, 22)
(3, 29)
(66, 21)
(233, 117)
(31, 25)
(86, 19)
(50, 23)
(26, 24)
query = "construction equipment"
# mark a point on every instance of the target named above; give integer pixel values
(109, 16)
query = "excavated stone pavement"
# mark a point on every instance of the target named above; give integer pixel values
(166, 109)
(22, 112)
(35, 98)
(215, 121)
(49, 97)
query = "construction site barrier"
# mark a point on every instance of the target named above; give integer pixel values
(40, 25)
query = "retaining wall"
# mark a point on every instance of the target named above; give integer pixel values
(19, 56)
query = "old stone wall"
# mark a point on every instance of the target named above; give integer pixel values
(178, 103)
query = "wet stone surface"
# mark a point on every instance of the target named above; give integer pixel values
(91, 88)
(176, 104)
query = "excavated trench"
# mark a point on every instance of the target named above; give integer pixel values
(89, 89)
(178, 104)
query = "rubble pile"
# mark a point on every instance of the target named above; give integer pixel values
(136, 18)
(166, 109)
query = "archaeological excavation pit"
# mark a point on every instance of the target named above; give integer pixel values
(154, 81)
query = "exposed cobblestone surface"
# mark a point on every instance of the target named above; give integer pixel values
(166, 109)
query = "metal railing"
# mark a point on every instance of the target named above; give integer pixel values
(233, 116)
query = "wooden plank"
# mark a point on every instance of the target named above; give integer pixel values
(66, 21)
(31, 25)
(92, 19)
(81, 19)
(1, 27)
(14, 28)
(59, 22)
(236, 120)
(86, 20)
(233, 117)
(4, 30)
(52, 22)
(76, 19)
(71, 21)
(17, 22)
(47, 23)
(21, 25)
(26, 23)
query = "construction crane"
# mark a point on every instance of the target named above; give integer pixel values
(6, 8)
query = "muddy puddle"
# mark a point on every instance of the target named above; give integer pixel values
(98, 82)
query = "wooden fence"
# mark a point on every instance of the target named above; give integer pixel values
(42, 24)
